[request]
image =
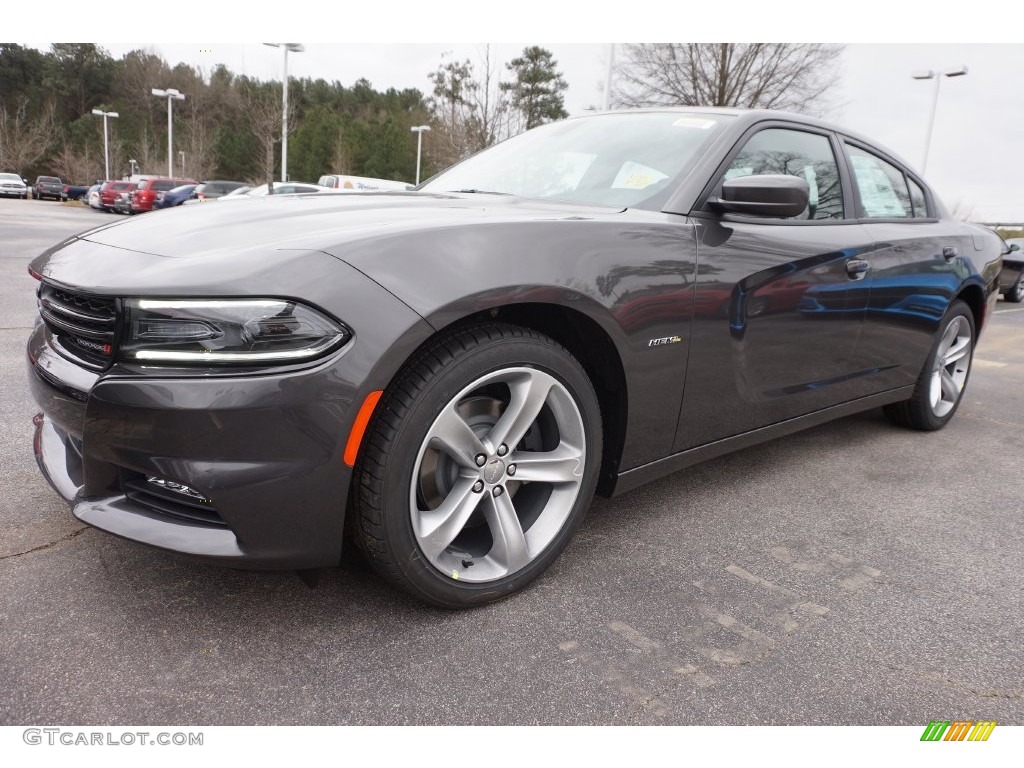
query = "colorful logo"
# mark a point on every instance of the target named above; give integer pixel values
(958, 730)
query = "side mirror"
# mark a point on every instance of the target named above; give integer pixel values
(1014, 247)
(774, 196)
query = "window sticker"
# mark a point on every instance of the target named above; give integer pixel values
(876, 192)
(701, 123)
(636, 176)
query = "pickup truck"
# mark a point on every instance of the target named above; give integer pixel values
(48, 186)
(73, 192)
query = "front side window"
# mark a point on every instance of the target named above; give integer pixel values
(881, 185)
(781, 151)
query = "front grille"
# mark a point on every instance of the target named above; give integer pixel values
(84, 327)
(165, 501)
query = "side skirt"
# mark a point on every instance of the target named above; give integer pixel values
(634, 478)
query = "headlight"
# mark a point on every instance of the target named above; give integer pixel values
(220, 332)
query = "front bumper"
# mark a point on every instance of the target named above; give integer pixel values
(265, 452)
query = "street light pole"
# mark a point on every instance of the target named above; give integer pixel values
(171, 94)
(937, 76)
(133, 163)
(297, 48)
(418, 130)
(106, 140)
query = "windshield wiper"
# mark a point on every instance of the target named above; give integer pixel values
(479, 192)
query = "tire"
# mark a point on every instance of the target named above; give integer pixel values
(942, 382)
(452, 500)
(1015, 293)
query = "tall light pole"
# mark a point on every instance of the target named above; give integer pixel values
(106, 141)
(418, 130)
(607, 100)
(171, 94)
(937, 77)
(285, 47)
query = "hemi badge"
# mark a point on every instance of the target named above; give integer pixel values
(664, 340)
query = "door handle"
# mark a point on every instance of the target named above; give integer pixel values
(949, 252)
(857, 268)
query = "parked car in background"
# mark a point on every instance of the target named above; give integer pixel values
(361, 183)
(143, 197)
(1011, 278)
(280, 188)
(173, 197)
(12, 185)
(211, 190)
(48, 187)
(123, 203)
(110, 190)
(92, 197)
(73, 192)
(450, 374)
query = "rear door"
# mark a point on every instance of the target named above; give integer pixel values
(779, 302)
(915, 268)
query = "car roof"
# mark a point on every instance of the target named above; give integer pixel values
(746, 117)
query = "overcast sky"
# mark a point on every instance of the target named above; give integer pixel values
(978, 139)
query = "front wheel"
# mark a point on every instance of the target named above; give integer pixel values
(479, 465)
(940, 387)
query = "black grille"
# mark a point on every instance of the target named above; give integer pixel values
(84, 327)
(165, 501)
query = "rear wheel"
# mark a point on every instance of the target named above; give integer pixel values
(940, 387)
(1016, 291)
(480, 463)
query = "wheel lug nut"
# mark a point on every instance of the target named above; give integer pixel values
(478, 486)
(511, 469)
(480, 459)
(498, 490)
(502, 449)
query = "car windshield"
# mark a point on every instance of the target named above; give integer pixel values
(12, 176)
(622, 159)
(49, 178)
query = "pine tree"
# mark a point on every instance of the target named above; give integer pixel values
(538, 88)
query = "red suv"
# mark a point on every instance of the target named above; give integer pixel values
(110, 190)
(143, 197)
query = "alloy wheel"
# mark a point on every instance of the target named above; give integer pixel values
(497, 474)
(952, 364)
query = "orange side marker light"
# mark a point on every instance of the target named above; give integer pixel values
(355, 437)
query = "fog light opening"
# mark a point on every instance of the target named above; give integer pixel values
(184, 490)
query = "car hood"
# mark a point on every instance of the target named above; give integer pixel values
(190, 248)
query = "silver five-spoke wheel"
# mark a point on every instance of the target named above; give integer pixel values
(497, 474)
(952, 363)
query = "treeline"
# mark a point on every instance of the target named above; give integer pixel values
(223, 126)
(229, 125)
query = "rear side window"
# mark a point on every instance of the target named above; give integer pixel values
(917, 199)
(163, 186)
(882, 186)
(795, 153)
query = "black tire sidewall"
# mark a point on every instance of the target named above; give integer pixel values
(419, 574)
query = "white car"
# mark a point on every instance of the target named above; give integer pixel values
(12, 185)
(362, 183)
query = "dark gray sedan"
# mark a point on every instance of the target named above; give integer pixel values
(448, 375)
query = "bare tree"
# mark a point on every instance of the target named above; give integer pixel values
(469, 108)
(262, 108)
(24, 139)
(792, 76)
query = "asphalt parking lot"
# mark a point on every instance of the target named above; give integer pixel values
(855, 573)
